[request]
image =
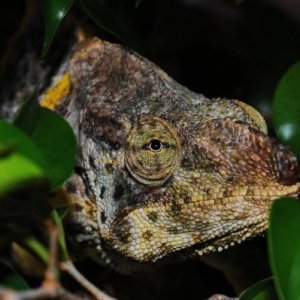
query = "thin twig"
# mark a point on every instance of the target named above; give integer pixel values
(69, 267)
(51, 287)
(39, 293)
(50, 279)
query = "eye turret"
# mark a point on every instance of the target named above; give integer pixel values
(153, 150)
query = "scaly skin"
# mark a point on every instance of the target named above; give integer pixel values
(162, 172)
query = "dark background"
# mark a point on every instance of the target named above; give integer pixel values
(231, 49)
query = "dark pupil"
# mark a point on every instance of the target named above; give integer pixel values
(155, 145)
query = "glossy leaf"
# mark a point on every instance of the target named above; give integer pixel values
(286, 108)
(15, 140)
(27, 117)
(284, 247)
(15, 170)
(262, 290)
(53, 11)
(22, 176)
(102, 15)
(23, 181)
(119, 17)
(55, 139)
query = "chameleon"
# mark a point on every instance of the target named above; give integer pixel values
(162, 173)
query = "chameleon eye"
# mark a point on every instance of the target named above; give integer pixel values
(156, 145)
(153, 150)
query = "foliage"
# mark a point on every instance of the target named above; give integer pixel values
(54, 12)
(284, 227)
(117, 17)
(21, 166)
(37, 156)
(55, 140)
(284, 247)
(286, 108)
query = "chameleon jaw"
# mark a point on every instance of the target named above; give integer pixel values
(155, 231)
(239, 236)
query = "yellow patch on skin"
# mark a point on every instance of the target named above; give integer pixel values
(56, 92)
(256, 117)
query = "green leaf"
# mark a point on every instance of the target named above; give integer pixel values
(15, 170)
(13, 279)
(56, 139)
(53, 11)
(58, 216)
(284, 247)
(102, 16)
(286, 108)
(27, 116)
(23, 183)
(295, 276)
(262, 290)
(15, 140)
(38, 248)
(53, 136)
(23, 190)
(118, 17)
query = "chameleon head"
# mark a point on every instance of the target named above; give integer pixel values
(202, 192)
(170, 171)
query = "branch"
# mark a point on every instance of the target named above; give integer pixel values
(69, 268)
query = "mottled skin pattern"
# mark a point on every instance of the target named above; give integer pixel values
(162, 172)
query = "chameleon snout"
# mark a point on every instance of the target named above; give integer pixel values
(219, 195)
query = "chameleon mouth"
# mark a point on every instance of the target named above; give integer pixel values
(225, 241)
(221, 243)
(156, 231)
(237, 236)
